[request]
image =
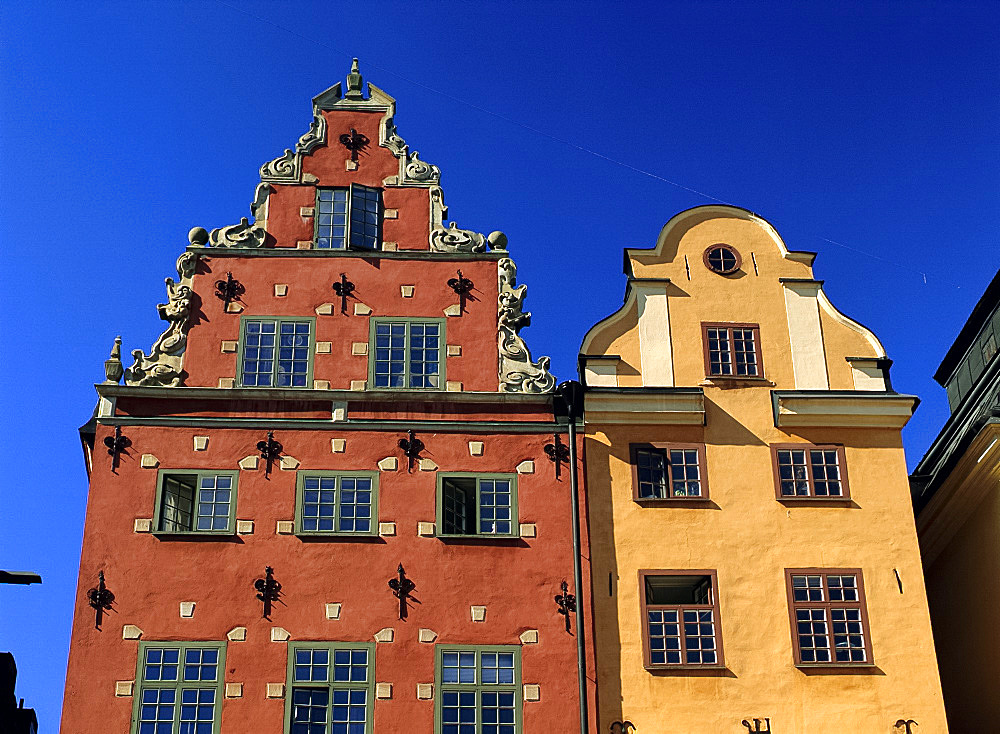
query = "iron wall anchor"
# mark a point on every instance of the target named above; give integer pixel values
(268, 590)
(270, 451)
(412, 447)
(101, 599)
(116, 445)
(344, 289)
(566, 603)
(558, 453)
(401, 588)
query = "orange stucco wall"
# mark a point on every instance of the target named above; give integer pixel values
(743, 532)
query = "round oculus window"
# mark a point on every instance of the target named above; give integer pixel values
(722, 259)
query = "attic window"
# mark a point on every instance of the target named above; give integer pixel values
(348, 217)
(722, 259)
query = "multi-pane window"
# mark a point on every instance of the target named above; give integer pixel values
(179, 689)
(337, 502)
(330, 688)
(470, 504)
(348, 217)
(732, 350)
(829, 620)
(275, 352)
(803, 471)
(196, 502)
(407, 353)
(479, 690)
(669, 471)
(680, 619)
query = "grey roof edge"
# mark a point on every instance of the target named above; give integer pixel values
(970, 330)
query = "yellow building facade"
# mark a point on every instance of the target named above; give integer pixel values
(754, 558)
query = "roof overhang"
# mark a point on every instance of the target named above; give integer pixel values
(841, 409)
(683, 406)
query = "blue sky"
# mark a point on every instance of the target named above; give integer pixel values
(864, 131)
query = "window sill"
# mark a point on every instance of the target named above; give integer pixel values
(306, 535)
(690, 670)
(828, 501)
(735, 380)
(839, 668)
(479, 538)
(683, 501)
(192, 534)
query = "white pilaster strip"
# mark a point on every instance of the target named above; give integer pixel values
(655, 349)
(806, 335)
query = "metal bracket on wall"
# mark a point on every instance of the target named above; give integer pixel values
(462, 287)
(116, 446)
(229, 290)
(344, 289)
(354, 141)
(558, 452)
(401, 588)
(905, 724)
(566, 603)
(270, 451)
(621, 727)
(101, 598)
(268, 590)
(756, 726)
(412, 447)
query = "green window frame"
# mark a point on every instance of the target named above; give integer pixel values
(475, 505)
(407, 351)
(348, 218)
(333, 503)
(179, 687)
(193, 502)
(271, 352)
(478, 689)
(325, 693)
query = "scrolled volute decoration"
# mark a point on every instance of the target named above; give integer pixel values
(162, 366)
(419, 171)
(518, 372)
(453, 239)
(313, 137)
(285, 169)
(243, 234)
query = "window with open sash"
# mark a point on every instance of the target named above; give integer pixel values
(348, 217)
(477, 504)
(337, 503)
(179, 688)
(669, 471)
(330, 688)
(196, 502)
(276, 352)
(407, 353)
(804, 471)
(479, 690)
(732, 350)
(680, 619)
(829, 619)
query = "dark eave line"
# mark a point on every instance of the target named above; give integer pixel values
(321, 424)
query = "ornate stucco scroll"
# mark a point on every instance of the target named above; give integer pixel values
(284, 169)
(420, 171)
(162, 366)
(243, 234)
(453, 239)
(518, 373)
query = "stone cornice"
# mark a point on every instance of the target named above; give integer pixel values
(644, 406)
(841, 409)
(361, 254)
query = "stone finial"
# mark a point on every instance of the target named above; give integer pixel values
(198, 236)
(113, 369)
(497, 241)
(354, 80)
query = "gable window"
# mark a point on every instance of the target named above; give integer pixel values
(407, 353)
(479, 689)
(195, 502)
(668, 471)
(330, 688)
(477, 505)
(276, 352)
(337, 503)
(732, 350)
(828, 615)
(803, 471)
(722, 259)
(680, 619)
(180, 688)
(348, 217)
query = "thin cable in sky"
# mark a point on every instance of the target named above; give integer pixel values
(550, 136)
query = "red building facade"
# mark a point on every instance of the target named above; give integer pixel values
(341, 408)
